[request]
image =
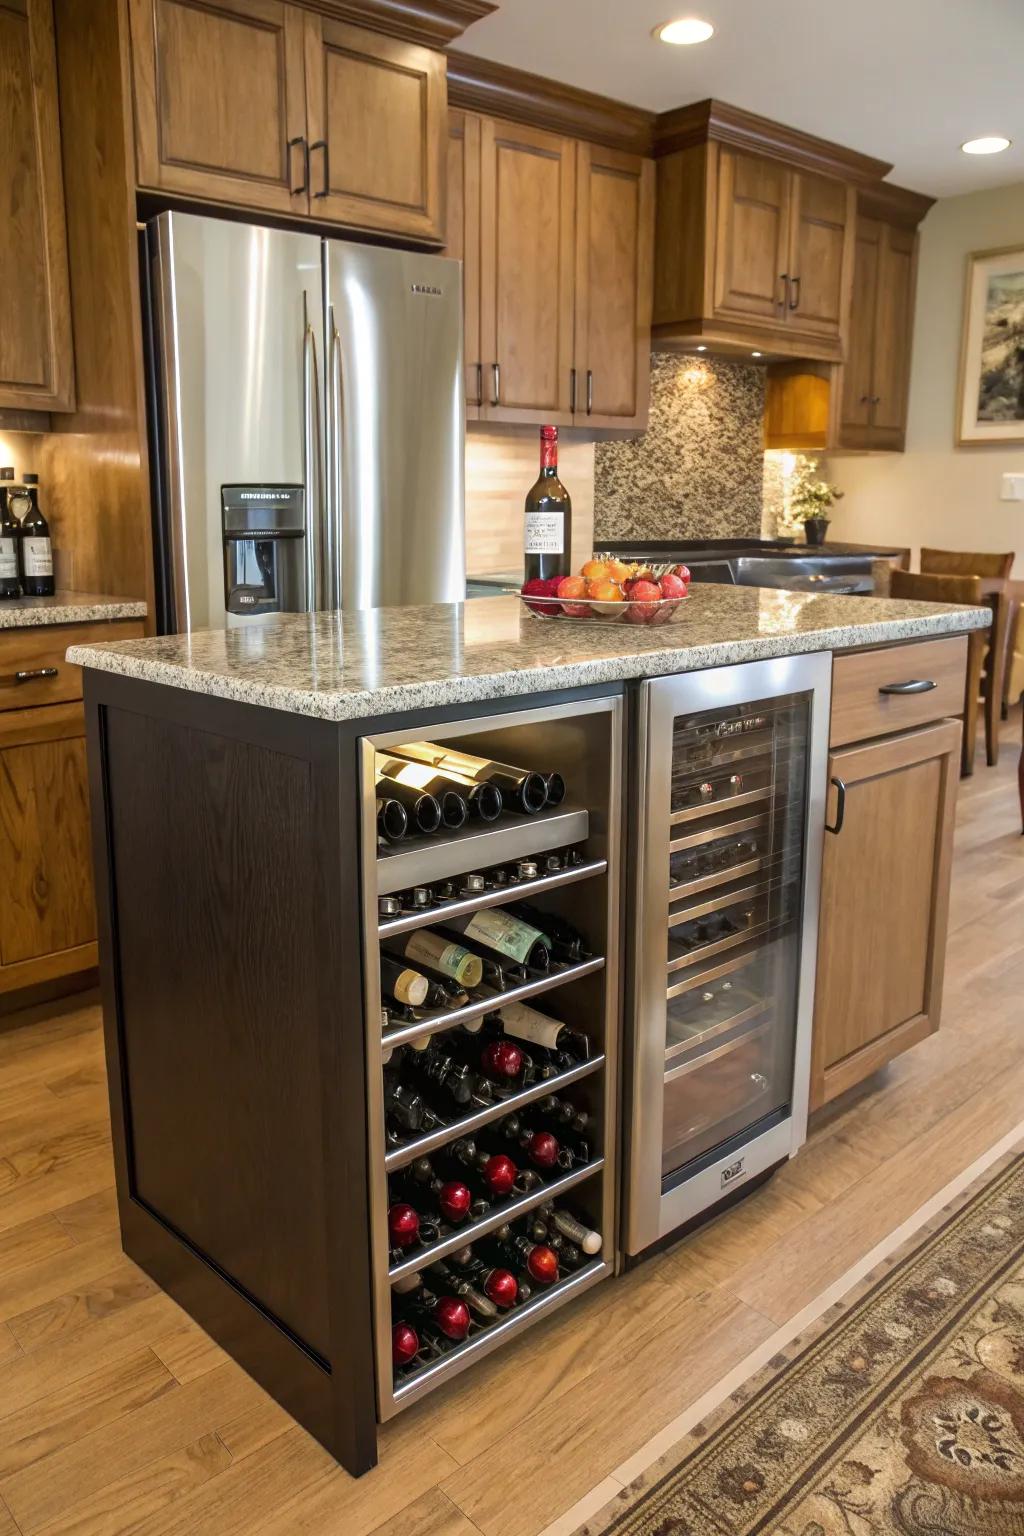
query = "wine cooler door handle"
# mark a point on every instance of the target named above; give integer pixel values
(590, 390)
(794, 293)
(479, 385)
(572, 390)
(495, 383)
(912, 685)
(837, 827)
(322, 144)
(305, 165)
(28, 675)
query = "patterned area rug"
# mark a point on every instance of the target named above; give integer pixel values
(902, 1412)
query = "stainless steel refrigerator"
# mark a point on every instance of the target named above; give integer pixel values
(306, 415)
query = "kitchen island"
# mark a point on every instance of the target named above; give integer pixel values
(239, 881)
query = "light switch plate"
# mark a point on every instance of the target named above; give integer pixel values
(1013, 488)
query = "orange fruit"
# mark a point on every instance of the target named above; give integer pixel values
(604, 591)
(572, 586)
(595, 570)
(619, 571)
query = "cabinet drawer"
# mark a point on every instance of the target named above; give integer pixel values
(861, 706)
(32, 666)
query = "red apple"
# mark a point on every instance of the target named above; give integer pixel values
(672, 585)
(682, 571)
(405, 1343)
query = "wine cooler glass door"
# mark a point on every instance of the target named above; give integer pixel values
(731, 817)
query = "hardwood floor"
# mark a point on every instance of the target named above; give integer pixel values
(118, 1415)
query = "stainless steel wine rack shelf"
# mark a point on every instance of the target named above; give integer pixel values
(428, 859)
(497, 898)
(710, 807)
(687, 888)
(507, 1211)
(720, 946)
(400, 1157)
(490, 1002)
(480, 1344)
(719, 829)
(700, 1042)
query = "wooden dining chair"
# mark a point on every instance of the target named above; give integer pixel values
(963, 590)
(995, 568)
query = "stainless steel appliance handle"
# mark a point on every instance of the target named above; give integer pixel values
(496, 383)
(590, 390)
(311, 451)
(837, 827)
(334, 552)
(572, 390)
(913, 685)
(479, 385)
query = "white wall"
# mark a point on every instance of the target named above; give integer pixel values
(935, 493)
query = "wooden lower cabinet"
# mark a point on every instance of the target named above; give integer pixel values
(48, 920)
(884, 902)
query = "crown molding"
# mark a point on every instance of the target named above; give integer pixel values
(480, 85)
(716, 120)
(896, 205)
(431, 23)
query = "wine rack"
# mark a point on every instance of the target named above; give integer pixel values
(582, 742)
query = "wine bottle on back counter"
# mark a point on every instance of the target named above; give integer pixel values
(548, 526)
(34, 546)
(523, 790)
(10, 533)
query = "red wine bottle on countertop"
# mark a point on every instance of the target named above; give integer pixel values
(523, 790)
(548, 525)
(34, 547)
(10, 534)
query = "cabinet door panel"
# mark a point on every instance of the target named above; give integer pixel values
(219, 93)
(752, 245)
(377, 111)
(36, 368)
(884, 901)
(45, 854)
(527, 212)
(893, 331)
(614, 243)
(821, 213)
(462, 241)
(859, 367)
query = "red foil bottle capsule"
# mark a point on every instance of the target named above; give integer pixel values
(452, 1317)
(405, 1343)
(403, 1225)
(454, 1200)
(542, 1262)
(502, 1287)
(501, 1058)
(499, 1174)
(542, 1150)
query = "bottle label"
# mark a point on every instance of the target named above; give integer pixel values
(507, 934)
(38, 557)
(527, 1024)
(8, 559)
(450, 959)
(545, 533)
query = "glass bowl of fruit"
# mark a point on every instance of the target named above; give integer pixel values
(609, 591)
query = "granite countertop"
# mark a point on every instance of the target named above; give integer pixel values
(67, 608)
(382, 660)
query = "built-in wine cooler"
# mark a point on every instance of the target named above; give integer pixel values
(730, 785)
(491, 921)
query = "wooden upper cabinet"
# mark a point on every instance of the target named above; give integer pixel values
(859, 369)
(377, 115)
(894, 324)
(527, 222)
(36, 359)
(614, 258)
(884, 902)
(462, 242)
(220, 110)
(752, 237)
(821, 219)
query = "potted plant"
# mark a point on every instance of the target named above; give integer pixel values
(811, 500)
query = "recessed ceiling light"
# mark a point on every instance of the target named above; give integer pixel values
(993, 145)
(688, 30)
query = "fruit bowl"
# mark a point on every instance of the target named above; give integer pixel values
(664, 610)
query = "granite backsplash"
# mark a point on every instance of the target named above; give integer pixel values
(698, 470)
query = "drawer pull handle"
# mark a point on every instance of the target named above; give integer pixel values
(915, 685)
(840, 807)
(32, 675)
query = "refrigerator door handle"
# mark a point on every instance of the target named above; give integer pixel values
(333, 553)
(311, 451)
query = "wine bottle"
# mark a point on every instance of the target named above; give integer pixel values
(406, 986)
(446, 1075)
(501, 1063)
(555, 787)
(443, 1320)
(548, 1038)
(499, 1285)
(544, 1148)
(493, 1172)
(392, 820)
(565, 942)
(405, 1344)
(408, 1111)
(423, 780)
(423, 810)
(522, 789)
(479, 1304)
(10, 533)
(34, 546)
(510, 1247)
(497, 929)
(434, 1199)
(548, 527)
(563, 1221)
(484, 801)
(432, 950)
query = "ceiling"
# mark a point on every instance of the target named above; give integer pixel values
(905, 80)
